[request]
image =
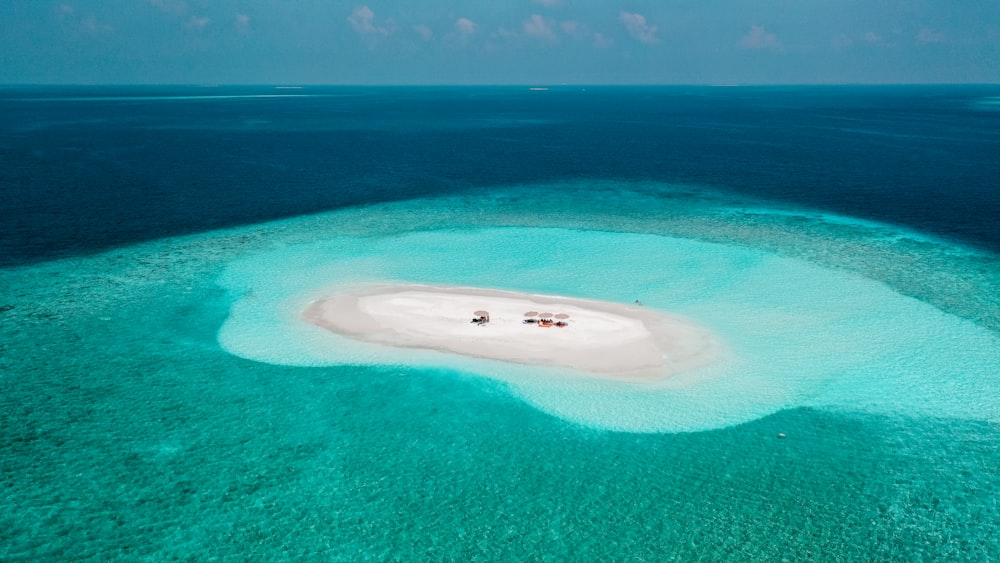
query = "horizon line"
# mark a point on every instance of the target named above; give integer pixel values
(297, 85)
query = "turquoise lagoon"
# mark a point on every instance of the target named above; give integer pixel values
(164, 401)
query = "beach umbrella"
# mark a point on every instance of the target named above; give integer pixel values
(545, 315)
(482, 313)
(562, 316)
(531, 314)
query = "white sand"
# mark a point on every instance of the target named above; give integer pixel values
(607, 339)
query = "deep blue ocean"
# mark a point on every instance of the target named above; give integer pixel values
(86, 169)
(159, 399)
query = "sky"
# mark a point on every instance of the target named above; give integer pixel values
(534, 42)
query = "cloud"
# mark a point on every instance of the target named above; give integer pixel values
(89, 24)
(538, 27)
(872, 37)
(549, 3)
(242, 23)
(638, 28)
(505, 35)
(460, 34)
(197, 23)
(927, 35)
(465, 26)
(362, 19)
(66, 12)
(602, 42)
(423, 31)
(574, 28)
(93, 26)
(759, 38)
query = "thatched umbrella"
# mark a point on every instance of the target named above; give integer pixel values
(531, 314)
(562, 316)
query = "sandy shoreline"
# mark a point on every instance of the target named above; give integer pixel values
(602, 338)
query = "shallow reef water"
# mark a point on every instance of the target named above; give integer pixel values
(163, 401)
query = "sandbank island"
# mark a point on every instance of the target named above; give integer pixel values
(619, 341)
